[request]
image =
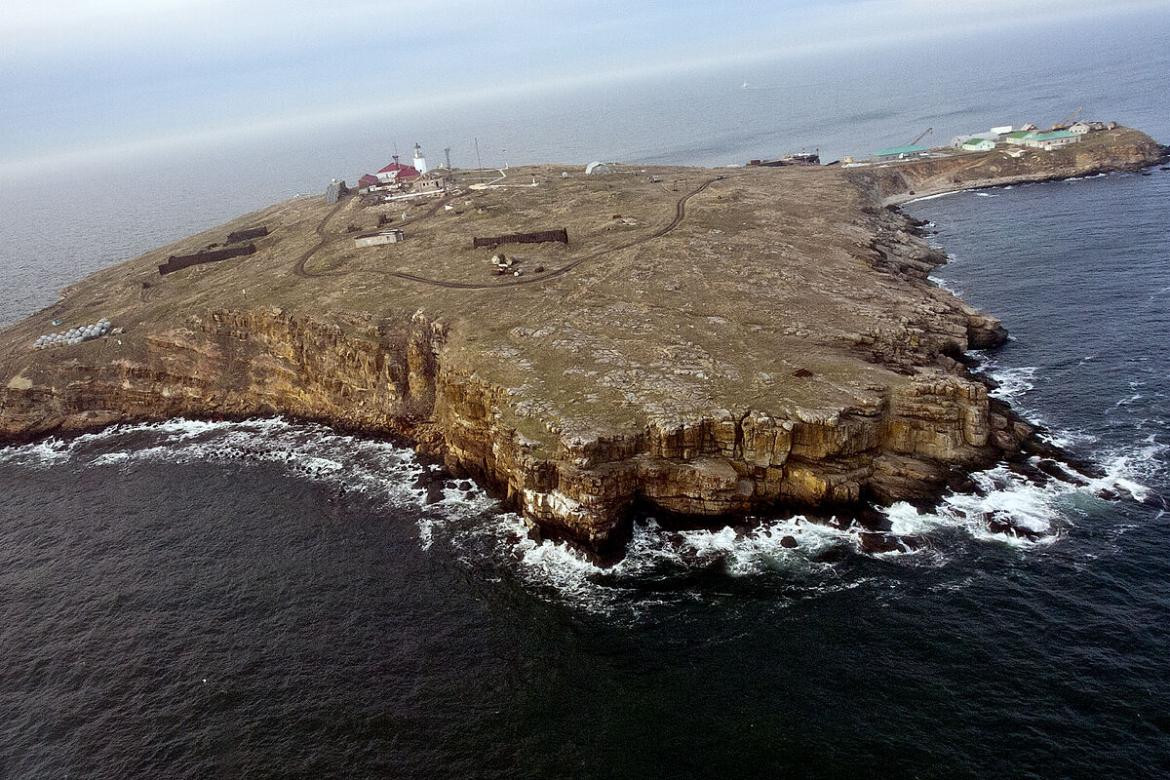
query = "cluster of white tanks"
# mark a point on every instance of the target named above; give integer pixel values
(73, 335)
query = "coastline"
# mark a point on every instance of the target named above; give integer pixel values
(1009, 181)
(930, 422)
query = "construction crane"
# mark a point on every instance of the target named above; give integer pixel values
(1068, 120)
(921, 135)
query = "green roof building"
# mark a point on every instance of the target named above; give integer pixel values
(1053, 140)
(1055, 134)
(978, 145)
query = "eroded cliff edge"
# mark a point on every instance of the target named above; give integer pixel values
(779, 344)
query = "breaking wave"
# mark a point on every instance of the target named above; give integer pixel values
(661, 565)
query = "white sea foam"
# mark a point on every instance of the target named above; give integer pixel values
(934, 197)
(943, 285)
(1013, 382)
(467, 522)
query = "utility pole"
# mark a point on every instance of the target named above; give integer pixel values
(478, 160)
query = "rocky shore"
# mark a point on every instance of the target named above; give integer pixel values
(708, 343)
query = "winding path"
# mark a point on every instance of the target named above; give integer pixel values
(680, 213)
(299, 267)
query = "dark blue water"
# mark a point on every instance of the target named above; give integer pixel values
(196, 600)
(267, 599)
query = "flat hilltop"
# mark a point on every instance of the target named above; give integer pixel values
(708, 340)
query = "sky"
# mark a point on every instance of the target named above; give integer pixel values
(82, 77)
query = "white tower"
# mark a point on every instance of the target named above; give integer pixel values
(420, 162)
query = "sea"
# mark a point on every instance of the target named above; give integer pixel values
(266, 598)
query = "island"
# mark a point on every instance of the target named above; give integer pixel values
(699, 342)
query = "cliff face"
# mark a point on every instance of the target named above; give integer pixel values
(776, 343)
(390, 377)
(345, 370)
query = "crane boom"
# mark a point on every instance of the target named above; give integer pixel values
(921, 135)
(1068, 120)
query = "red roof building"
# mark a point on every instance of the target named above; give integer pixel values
(369, 180)
(397, 170)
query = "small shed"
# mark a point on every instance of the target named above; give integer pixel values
(392, 236)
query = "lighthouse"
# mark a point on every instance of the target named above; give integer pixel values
(420, 162)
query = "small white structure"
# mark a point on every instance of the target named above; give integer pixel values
(1080, 128)
(978, 145)
(420, 162)
(392, 236)
(597, 167)
(1002, 130)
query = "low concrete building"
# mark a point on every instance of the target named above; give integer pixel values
(978, 145)
(1080, 128)
(1017, 137)
(1002, 130)
(1053, 140)
(335, 191)
(429, 182)
(392, 236)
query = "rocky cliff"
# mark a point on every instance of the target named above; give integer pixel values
(773, 341)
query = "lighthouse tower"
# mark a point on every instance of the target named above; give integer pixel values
(420, 162)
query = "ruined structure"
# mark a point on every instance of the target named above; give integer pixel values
(538, 237)
(179, 262)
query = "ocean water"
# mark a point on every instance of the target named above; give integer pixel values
(265, 598)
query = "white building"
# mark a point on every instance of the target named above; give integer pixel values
(959, 140)
(1003, 130)
(978, 145)
(1080, 128)
(392, 236)
(420, 162)
(1050, 141)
